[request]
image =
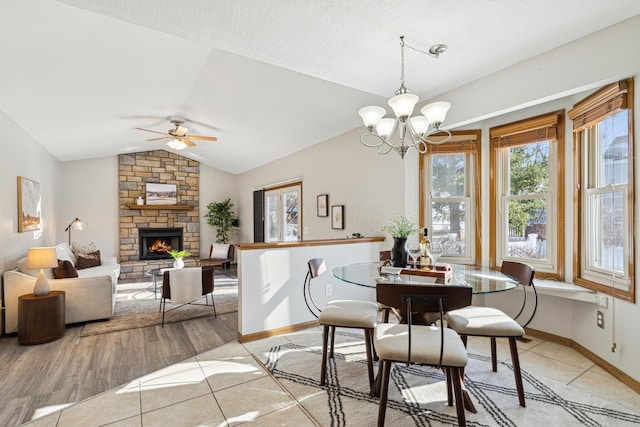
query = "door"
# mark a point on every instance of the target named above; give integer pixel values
(282, 208)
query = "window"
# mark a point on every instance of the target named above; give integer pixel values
(282, 213)
(604, 199)
(450, 195)
(526, 189)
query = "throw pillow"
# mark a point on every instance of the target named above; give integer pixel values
(83, 249)
(65, 270)
(64, 252)
(88, 260)
(219, 251)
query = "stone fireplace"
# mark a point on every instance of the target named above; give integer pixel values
(136, 170)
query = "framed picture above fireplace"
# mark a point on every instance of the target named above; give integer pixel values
(162, 194)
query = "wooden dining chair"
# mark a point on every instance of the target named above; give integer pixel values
(493, 323)
(421, 344)
(341, 314)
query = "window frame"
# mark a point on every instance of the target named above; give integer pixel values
(281, 190)
(466, 142)
(545, 127)
(586, 114)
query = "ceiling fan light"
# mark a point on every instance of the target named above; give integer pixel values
(176, 144)
(403, 104)
(436, 111)
(371, 115)
(385, 127)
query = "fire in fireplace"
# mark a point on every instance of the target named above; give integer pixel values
(155, 243)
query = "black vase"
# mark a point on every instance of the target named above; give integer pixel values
(399, 253)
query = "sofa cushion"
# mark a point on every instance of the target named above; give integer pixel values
(89, 260)
(22, 267)
(83, 249)
(64, 252)
(65, 270)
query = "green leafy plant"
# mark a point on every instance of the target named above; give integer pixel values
(401, 226)
(178, 254)
(221, 216)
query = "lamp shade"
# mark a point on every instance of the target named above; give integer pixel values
(385, 127)
(42, 258)
(177, 144)
(403, 104)
(371, 115)
(420, 124)
(436, 111)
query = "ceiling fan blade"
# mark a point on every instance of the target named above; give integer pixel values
(148, 130)
(159, 139)
(204, 138)
(189, 143)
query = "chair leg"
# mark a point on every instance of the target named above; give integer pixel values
(213, 302)
(515, 360)
(323, 369)
(333, 340)
(494, 358)
(457, 388)
(384, 389)
(368, 343)
(163, 309)
(447, 373)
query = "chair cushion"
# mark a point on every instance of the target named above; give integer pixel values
(483, 321)
(349, 314)
(219, 250)
(391, 342)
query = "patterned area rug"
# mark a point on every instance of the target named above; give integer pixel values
(138, 307)
(417, 395)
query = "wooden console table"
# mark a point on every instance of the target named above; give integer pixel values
(40, 318)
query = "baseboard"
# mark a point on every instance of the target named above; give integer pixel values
(278, 331)
(626, 379)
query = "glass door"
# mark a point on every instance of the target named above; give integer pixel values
(282, 213)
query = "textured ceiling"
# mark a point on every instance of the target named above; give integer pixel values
(267, 78)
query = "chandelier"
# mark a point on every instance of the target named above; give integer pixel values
(405, 132)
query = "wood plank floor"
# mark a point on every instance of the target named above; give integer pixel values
(74, 368)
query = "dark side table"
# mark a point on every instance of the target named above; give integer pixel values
(40, 318)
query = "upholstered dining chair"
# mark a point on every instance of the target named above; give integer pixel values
(493, 323)
(421, 344)
(341, 314)
(205, 282)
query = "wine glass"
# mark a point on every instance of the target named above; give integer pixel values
(437, 249)
(414, 251)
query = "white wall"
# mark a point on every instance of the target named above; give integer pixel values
(90, 192)
(215, 186)
(370, 186)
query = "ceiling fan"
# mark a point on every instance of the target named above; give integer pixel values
(178, 138)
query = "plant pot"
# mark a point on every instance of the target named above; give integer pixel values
(399, 253)
(178, 263)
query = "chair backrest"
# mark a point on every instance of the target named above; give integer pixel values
(385, 255)
(317, 266)
(207, 282)
(231, 252)
(454, 296)
(520, 271)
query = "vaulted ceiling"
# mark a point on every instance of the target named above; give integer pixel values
(267, 78)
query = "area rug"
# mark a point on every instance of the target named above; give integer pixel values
(137, 307)
(417, 395)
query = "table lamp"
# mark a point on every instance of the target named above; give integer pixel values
(41, 258)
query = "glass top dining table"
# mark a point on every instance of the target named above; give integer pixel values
(482, 280)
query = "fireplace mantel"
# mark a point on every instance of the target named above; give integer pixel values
(170, 207)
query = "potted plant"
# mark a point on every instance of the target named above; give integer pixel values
(177, 256)
(400, 227)
(221, 216)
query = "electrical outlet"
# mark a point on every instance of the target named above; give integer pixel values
(602, 300)
(600, 319)
(328, 290)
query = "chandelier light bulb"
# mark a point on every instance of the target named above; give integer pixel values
(371, 115)
(385, 127)
(420, 124)
(403, 104)
(436, 111)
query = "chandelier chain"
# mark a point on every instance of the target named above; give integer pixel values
(401, 61)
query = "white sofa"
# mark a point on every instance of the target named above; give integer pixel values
(90, 296)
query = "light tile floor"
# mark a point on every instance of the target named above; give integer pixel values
(227, 386)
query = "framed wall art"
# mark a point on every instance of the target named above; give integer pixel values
(323, 205)
(29, 205)
(337, 217)
(162, 194)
